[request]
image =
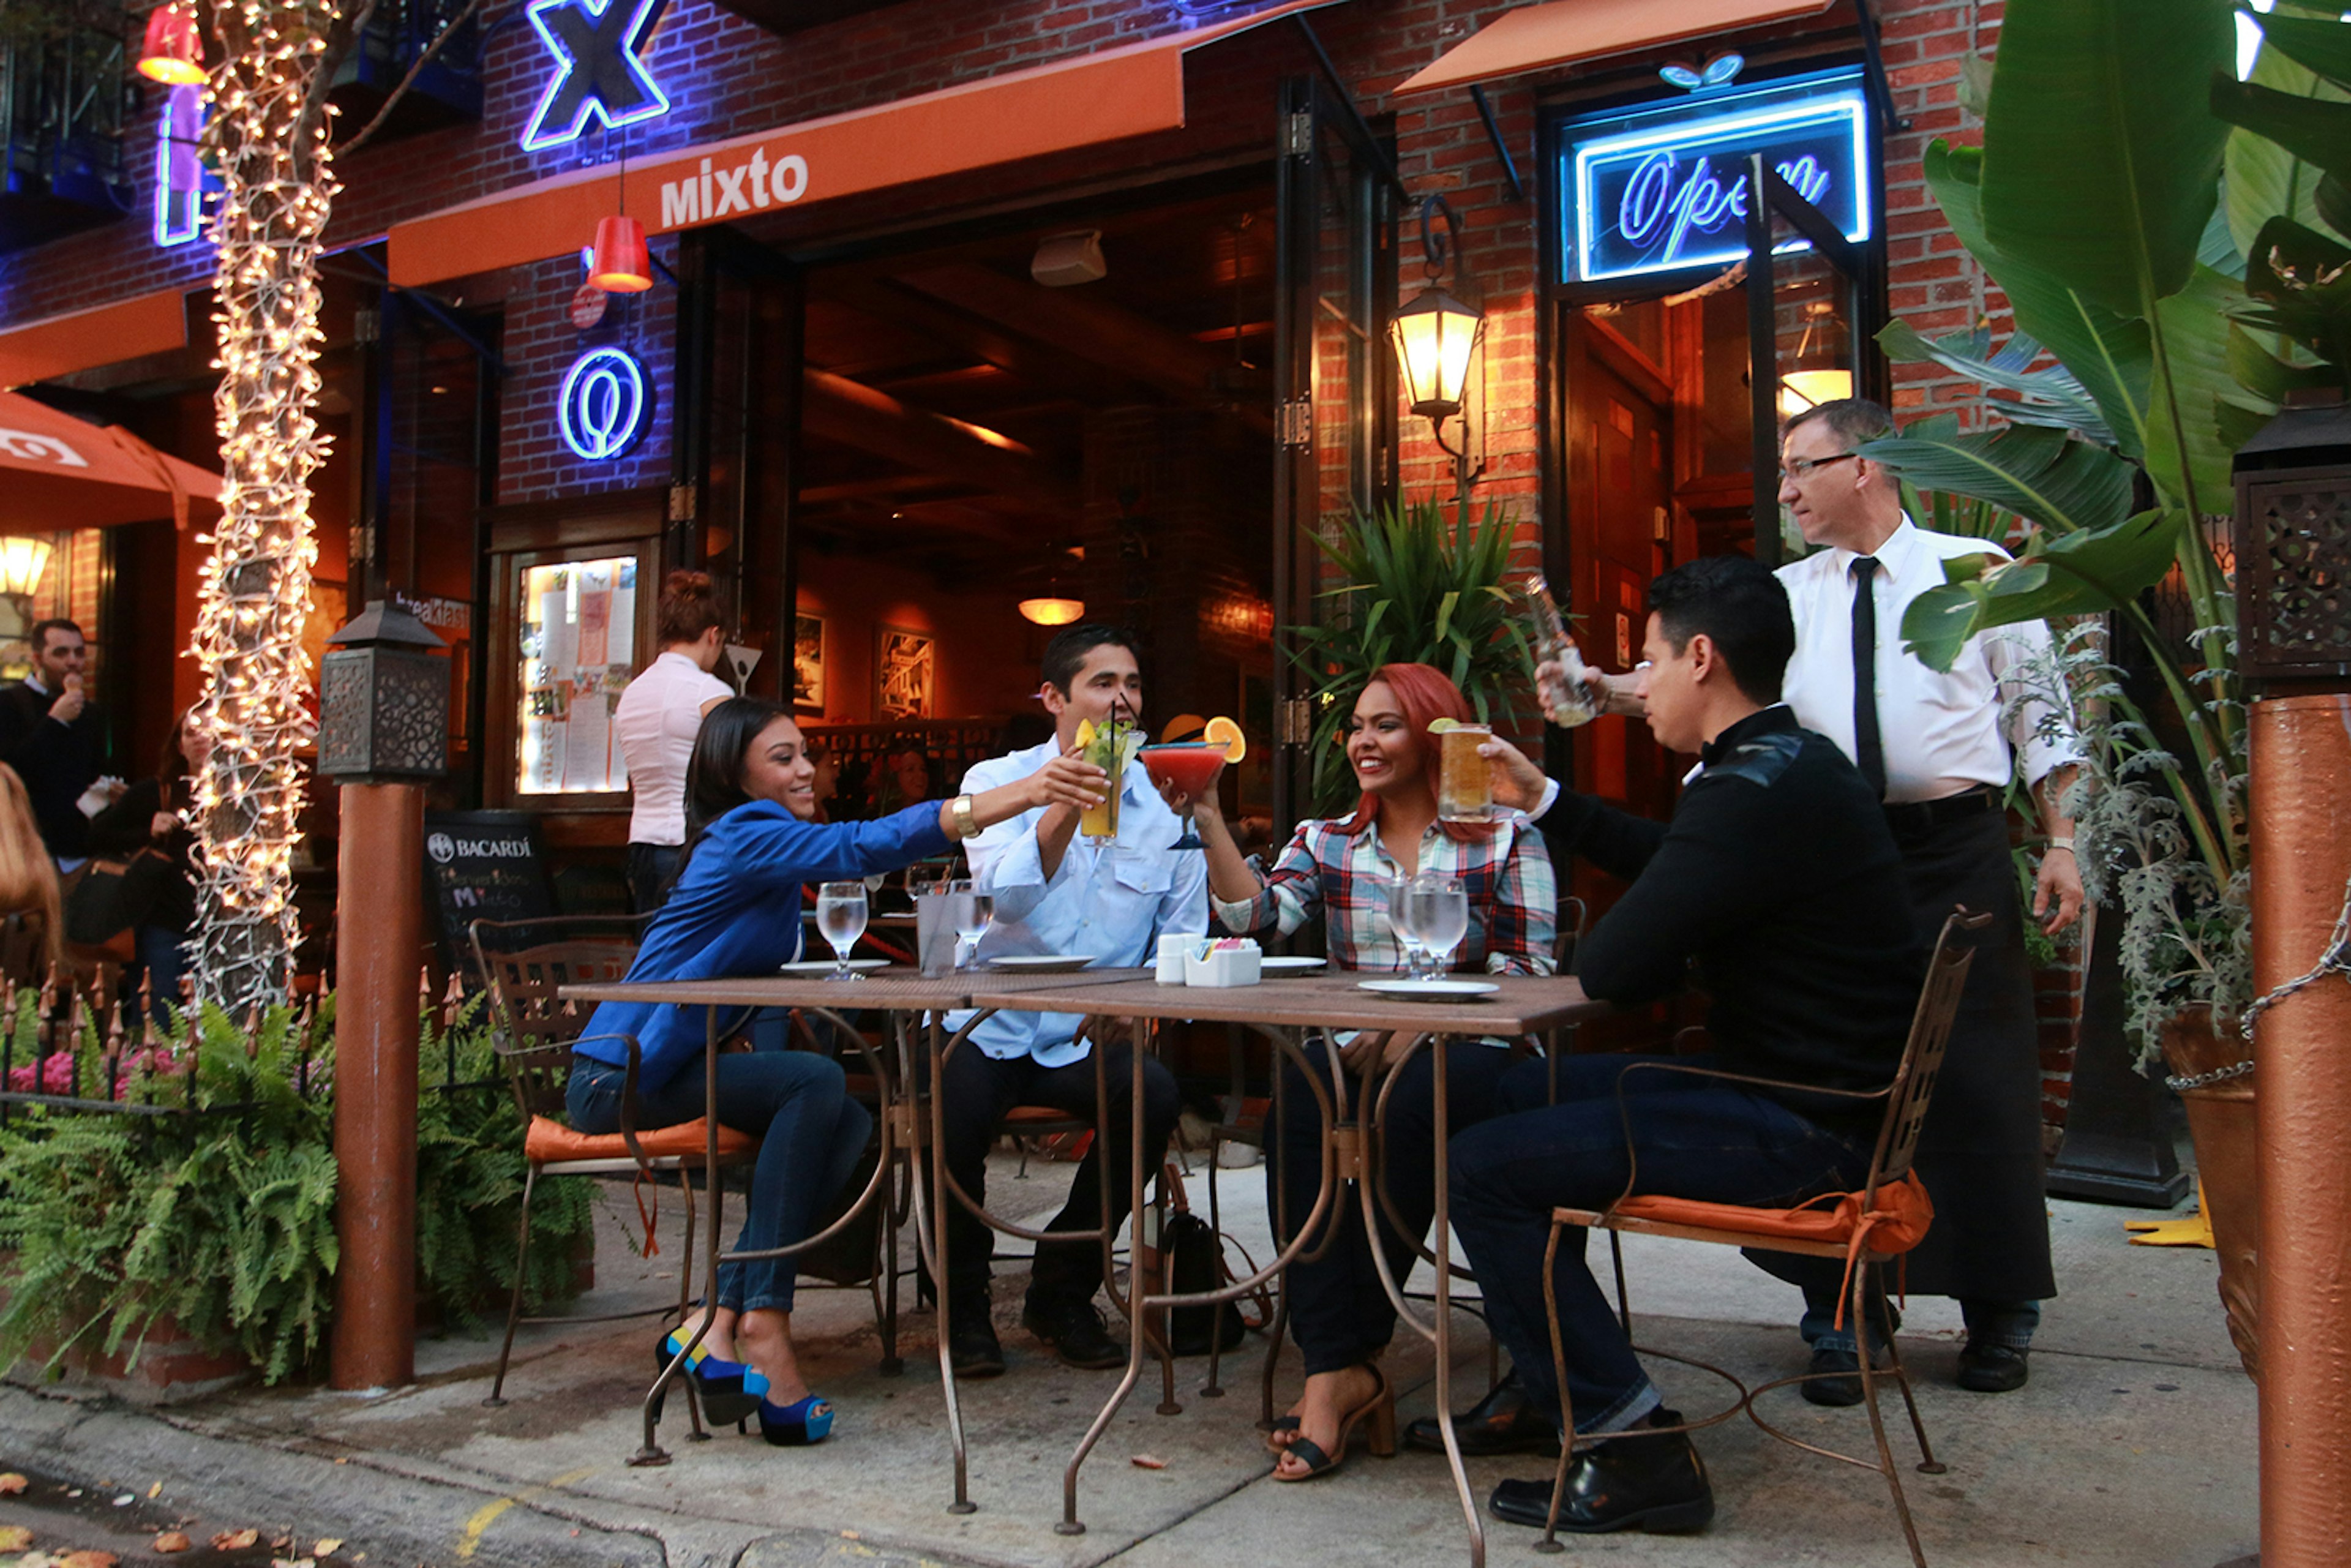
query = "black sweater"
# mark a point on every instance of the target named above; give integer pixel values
(57, 761)
(1778, 875)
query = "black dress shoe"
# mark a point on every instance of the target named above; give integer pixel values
(1505, 1422)
(972, 1346)
(1653, 1483)
(1987, 1368)
(1835, 1378)
(1075, 1328)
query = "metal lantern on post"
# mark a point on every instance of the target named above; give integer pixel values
(1437, 338)
(384, 729)
(2293, 547)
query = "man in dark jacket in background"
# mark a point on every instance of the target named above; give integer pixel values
(1779, 878)
(55, 740)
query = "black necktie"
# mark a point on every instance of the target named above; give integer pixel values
(1868, 752)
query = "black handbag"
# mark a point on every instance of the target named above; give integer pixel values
(1190, 1258)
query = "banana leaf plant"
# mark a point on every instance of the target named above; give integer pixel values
(1411, 589)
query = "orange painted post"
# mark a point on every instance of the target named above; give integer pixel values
(2301, 847)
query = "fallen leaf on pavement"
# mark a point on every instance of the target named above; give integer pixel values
(292, 1563)
(1148, 1462)
(173, 1540)
(327, 1546)
(88, 1560)
(15, 1538)
(155, 1490)
(235, 1540)
(12, 1483)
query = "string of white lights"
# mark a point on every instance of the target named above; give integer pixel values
(267, 135)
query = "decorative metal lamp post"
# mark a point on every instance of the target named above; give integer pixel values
(383, 730)
(2292, 548)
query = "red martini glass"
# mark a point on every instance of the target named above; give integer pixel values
(1189, 768)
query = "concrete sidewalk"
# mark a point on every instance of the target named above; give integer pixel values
(2134, 1445)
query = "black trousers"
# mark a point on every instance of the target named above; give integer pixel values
(979, 1090)
(1339, 1313)
(649, 869)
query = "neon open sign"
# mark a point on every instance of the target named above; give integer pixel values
(1661, 189)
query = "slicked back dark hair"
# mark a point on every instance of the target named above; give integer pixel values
(1066, 653)
(1853, 419)
(41, 630)
(1735, 600)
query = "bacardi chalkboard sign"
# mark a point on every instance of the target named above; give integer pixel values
(482, 866)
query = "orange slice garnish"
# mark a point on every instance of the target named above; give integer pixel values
(1225, 733)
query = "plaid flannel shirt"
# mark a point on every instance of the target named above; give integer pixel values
(1503, 866)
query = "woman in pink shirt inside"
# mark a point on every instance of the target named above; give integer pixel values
(658, 716)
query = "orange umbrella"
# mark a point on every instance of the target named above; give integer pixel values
(59, 472)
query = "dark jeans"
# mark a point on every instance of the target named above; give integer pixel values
(649, 869)
(1693, 1138)
(1339, 1313)
(979, 1091)
(164, 952)
(810, 1131)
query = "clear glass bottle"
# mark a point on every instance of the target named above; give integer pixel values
(1547, 634)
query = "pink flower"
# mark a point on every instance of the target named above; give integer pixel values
(55, 1076)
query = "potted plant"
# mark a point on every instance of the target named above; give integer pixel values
(2176, 272)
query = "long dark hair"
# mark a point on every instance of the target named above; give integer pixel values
(714, 775)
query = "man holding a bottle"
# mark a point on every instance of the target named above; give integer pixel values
(1106, 889)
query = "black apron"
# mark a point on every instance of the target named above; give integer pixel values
(1980, 1153)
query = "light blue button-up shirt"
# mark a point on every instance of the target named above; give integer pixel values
(1112, 902)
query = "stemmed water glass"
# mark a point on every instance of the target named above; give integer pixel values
(840, 917)
(1400, 919)
(1438, 910)
(971, 910)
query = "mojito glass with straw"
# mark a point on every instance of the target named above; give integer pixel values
(1109, 745)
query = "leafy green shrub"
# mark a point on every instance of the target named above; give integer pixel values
(223, 1221)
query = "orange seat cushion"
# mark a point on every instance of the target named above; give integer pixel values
(550, 1141)
(1897, 1223)
(1029, 1114)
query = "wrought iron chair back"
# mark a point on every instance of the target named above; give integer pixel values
(1922, 1055)
(534, 1026)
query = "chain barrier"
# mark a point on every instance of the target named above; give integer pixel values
(2335, 959)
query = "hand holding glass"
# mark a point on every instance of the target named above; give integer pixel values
(840, 917)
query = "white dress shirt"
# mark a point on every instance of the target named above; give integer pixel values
(1941, 733)
(1112, 902)
(658, 716)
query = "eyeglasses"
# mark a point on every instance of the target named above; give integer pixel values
(1801, 467)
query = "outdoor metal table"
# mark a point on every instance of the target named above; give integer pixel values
(1323, 1003)
(896, 992)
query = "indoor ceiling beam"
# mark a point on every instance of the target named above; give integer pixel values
(838, 409)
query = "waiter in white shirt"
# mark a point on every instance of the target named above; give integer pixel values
(1940, 749)
(658, 716)
(1058, 893)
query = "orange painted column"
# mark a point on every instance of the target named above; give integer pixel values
(2300, 846)
(378, 928)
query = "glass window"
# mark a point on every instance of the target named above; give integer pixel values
(578, 645)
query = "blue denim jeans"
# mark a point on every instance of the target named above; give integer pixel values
(1692, 1137)
(811, 1133)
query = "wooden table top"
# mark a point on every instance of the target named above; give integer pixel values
(900, 987)
(1524, 1005)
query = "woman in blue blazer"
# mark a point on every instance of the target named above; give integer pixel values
(735, 909)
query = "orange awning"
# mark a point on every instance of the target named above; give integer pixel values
(79, 339)
(59, 472)
(1134, 89)
(1537, 38)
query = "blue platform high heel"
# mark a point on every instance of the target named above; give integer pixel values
(729, 1390)
(797, 1425)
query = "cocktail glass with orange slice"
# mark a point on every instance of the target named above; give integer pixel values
(1190, 766)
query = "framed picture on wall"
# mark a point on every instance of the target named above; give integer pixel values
(808, 663)
(903, 673)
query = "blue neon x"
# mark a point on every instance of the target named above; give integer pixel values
(598, 47)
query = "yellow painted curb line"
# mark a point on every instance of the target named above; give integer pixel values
(487, 1515)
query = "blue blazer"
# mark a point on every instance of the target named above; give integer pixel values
(737, 911)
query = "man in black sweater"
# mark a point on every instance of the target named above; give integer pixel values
(55, 739)
(1778, 878)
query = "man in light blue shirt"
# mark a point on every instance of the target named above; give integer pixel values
(1059, 892)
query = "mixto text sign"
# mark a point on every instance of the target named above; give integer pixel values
(1664, 188)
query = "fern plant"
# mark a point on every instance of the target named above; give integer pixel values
(1411, 590)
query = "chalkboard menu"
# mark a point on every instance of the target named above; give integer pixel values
(482, 866)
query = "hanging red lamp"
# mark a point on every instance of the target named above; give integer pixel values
(175, 51)
(623, 265)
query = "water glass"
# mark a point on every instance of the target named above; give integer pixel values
(1400, 919)
(971, 910)
(840, 917)
(1439, 909)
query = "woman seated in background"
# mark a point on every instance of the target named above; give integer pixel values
(1341, 869)
(735, 909)
(147, 827)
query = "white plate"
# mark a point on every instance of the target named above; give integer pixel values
(1041, 962)
(826, 965)
(1293, 966)
(1431, 990)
